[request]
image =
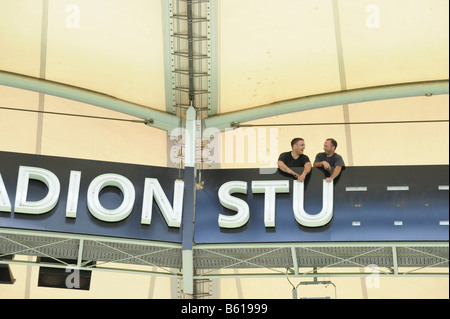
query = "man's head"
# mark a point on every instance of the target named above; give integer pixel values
(298, 145)
(330, 146)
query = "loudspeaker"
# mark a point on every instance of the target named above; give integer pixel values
(6, 276)
(66, 278)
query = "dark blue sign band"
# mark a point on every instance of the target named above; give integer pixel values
(386, 203)
(84, 223)
(413, 208)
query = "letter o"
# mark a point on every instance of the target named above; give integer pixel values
(110, 215)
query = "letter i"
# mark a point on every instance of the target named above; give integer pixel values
(72, 194)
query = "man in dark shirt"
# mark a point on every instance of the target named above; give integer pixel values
(295, 158)
(329, 159)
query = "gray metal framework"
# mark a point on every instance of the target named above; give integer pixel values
(406, 259)
(153, 117)
(168, 122)
(189, 64)
(343, 97)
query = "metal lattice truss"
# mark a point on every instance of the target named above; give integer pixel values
(324, 259)
(161, 258)
(221, 260)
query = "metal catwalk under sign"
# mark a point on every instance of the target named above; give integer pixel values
(393, 258)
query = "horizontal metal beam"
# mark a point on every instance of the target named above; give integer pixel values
(316, 275)
(234, 275)
(153, 117)
(384, 92)
(95, 268)
(162, 120)
(131, 241)
(322, 244)
(397, 271)
(120, 240)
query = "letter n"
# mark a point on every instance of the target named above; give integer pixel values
(172, 215)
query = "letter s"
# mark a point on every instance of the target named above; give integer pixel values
(233, 203)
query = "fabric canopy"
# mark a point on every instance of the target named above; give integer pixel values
(261, 55)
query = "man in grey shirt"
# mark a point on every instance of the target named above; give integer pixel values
(329, 159)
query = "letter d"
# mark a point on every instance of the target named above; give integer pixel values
(41, 206)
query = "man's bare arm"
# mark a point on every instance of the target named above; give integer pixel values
(336, 172)
(323, 164)
(286, 169)
(301, 178)
(306, 170)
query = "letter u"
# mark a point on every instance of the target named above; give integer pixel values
(317, 220)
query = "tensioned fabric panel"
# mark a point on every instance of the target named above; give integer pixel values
(409, 143)
(267, 50)
(113, 48)
(111, 137)
(274, 51)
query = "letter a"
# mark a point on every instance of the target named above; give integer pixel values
(5, 204)
(373, 19)
(73, 19)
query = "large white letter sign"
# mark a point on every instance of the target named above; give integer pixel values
(110, 215)
(320, 219)
(233, 203)
(172, 215)
(5, 204)
(72, 194)
(41, 206)
(270, 188)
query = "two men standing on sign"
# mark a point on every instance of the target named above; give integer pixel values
(329, 160)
